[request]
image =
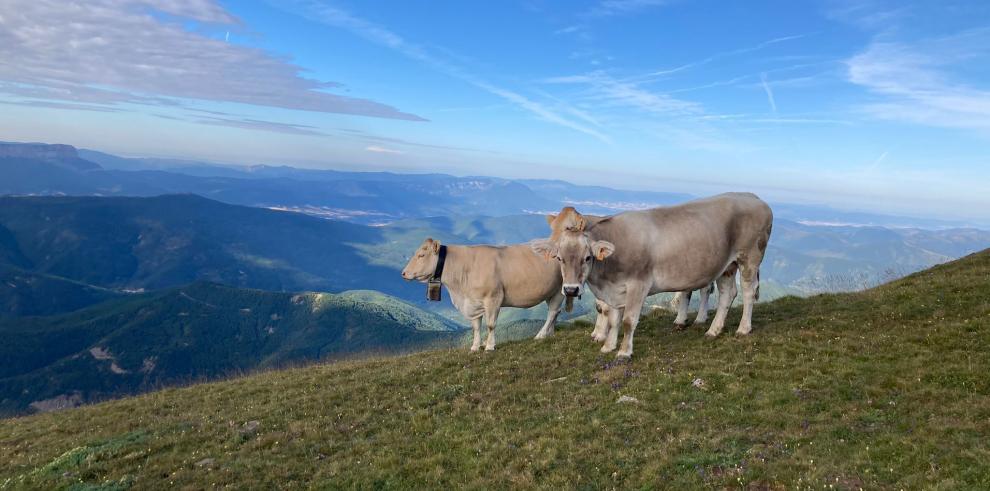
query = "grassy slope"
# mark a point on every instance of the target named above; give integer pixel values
(886, 388)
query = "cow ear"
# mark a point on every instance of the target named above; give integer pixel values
(436, 246)
(543, 248)
(550, 219)
(602, 249)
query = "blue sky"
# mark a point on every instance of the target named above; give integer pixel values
(867, 105)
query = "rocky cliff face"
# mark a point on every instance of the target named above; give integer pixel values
(57, 153)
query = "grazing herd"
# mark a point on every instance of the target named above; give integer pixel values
(622, 258)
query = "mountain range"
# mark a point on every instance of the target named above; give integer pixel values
(360, 197)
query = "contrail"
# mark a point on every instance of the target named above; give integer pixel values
(766, 87)
(876, 163)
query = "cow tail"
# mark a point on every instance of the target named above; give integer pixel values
(757, 285)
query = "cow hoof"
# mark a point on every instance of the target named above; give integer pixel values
(474, 349)
(680, 327)
(598, 339)
(623, 356)
(489, 348)
(540, 336)
(606, 349)
(711, 334)
(743, 333)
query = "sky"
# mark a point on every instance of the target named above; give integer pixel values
(871, 105)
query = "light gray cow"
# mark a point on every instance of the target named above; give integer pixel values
(626, 257)
(482, 279)
(680, 301)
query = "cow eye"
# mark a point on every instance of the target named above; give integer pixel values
(587, 259)
(560, 259)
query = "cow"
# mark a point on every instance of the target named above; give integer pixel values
(680, 301)
(482, 279)
(626, 257)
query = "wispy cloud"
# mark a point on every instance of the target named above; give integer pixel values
(608, 8)
(377, 149)
(769, 91)
(262, 125)
(866, 14)
(116, 51)
(321, 12)
(569, 29)
(603, 88)
(378, 140)
(64, 105)
(919, 82)
(656, 74)
(754, 118)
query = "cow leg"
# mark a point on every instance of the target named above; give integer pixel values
(553, 310)
(726, 295)
(705, 293)
(492, 306)
(601, 321)
(635, 297)
(681, 301)
(749, 276)
(476, 327)
(612, 329)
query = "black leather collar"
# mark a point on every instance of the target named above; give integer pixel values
(441, 259)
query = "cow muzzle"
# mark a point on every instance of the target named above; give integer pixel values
(572, 290)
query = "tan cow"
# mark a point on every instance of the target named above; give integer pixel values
(482, 279)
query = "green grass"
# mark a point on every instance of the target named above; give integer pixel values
(883, 389)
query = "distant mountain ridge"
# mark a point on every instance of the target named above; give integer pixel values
(364, 197)
(23, 293)
(65, 155)
(197, 332)
(151, 243)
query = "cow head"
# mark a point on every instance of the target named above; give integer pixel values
(423, 262)
(573, 248)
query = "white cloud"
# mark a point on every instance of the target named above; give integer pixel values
(918, 82)
(377, 149)
(120, 51)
